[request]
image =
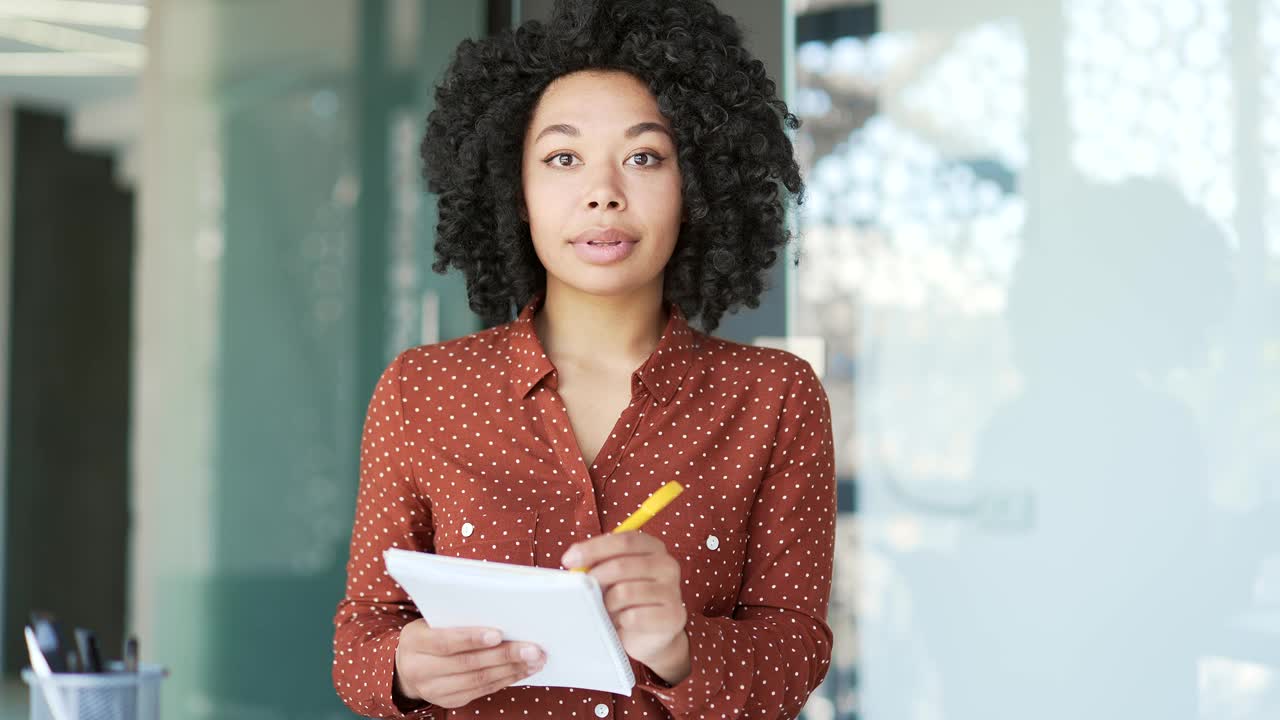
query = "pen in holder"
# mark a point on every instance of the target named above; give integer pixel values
(126, 690)
(112, 695)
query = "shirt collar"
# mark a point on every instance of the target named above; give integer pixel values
(661, 374)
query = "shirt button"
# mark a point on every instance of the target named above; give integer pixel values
(602, 710)
(713, 542)
(467, 529)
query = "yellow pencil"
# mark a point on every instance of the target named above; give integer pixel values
(650, 507)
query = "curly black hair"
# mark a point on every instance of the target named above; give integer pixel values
(735, 156)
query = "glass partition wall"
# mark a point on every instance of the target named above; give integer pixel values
(1042, 243)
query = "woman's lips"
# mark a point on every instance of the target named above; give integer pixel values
(603, 253)
(603, 246)
(603, 236)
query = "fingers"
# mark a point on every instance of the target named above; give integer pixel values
(453, 691)
(641, 593)
(458, 646)
(629, 568)
(647, 617)
(508, 653)
(487, 682)
(444, 666)
(451, 641)
(591, 552)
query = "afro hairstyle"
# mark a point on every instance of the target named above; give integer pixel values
(736, 160)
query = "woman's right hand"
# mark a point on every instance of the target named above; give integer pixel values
(450, 667)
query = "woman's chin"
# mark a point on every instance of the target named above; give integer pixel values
(603, 282)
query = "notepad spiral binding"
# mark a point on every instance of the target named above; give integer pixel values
(623, 665)
(625, 669)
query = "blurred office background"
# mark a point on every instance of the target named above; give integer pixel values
(1039, 274)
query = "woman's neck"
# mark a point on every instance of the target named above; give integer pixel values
(616, 332)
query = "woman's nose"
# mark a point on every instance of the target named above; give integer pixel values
(605, 194)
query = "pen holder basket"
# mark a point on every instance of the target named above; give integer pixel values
(115, 695)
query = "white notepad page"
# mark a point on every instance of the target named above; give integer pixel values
(560, 611)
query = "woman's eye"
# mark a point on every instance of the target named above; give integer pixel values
(645, 159)
(640, 159)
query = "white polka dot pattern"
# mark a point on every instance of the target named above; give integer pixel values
(468, 451)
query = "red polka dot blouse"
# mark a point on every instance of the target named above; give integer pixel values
(468, 451)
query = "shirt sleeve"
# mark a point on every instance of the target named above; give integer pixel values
(775, 649)
(389, 513)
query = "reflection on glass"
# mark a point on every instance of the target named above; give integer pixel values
(1269, 44)
(1054, 358)
(1148, 85)
(912, 221)
(971, 93)
(1101, 595)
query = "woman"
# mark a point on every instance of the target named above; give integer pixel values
(611, 174)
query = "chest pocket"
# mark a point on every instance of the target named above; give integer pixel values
(720, 552)
(711, 556)
(493, 535)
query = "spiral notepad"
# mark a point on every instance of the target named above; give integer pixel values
(560, 611)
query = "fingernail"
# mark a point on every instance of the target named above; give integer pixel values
(529, 654)
(493, 637)
(571, 559)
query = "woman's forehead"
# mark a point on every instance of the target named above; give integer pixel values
(596, 101)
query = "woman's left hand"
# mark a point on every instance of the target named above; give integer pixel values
(641, 584)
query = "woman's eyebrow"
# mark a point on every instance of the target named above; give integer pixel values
(561, 128)
(633, 131)
(644, 127)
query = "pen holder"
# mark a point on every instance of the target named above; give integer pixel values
(114, 695)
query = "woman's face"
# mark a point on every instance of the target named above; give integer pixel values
(601, 184)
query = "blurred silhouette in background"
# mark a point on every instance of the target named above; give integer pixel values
(1089, 583)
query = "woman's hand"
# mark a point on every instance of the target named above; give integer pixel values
(450, 667)
(641, 584)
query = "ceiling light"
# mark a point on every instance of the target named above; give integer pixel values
(63, 64)
(56, 37)
(79, 12)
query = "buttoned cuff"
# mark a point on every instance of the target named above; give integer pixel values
(705, 688)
